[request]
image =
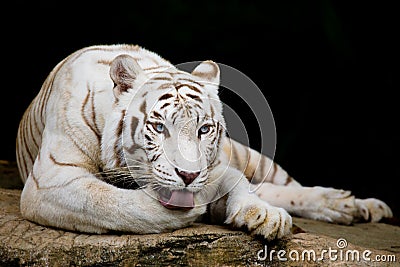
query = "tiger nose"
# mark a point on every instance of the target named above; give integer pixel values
(187, 177)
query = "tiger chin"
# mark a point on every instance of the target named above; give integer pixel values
(120, 139)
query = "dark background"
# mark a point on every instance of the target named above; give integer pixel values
(325, 67)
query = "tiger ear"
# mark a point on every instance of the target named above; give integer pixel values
(124, 71)
(209, 72)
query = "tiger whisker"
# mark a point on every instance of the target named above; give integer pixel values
(140, 162)
(156, 187)
(126, 178)
(125, 168)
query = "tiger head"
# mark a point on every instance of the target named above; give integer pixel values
(169, 126)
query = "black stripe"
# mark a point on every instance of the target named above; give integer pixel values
(192, 81)
(134, 125)
(164, 86)
(118, 133)
(179, 86)
(165, 105)
(26, 143)
(94, 114)
(195, 97)
(36, 130)
(288, 180)
(143, 110)
(274, 172)
(66, 164)
(157, 115)
(261, 165)
(83, 115)
(21, 161)
(32, 134)
(165, 96)
(162, 78)
(150, 129)
(155, 157)
(48, 90)
(35, 180)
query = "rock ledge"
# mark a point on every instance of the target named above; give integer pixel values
(23, 243)
(27, 244)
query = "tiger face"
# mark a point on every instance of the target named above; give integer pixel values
(173, 127)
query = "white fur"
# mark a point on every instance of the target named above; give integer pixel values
(62, 189)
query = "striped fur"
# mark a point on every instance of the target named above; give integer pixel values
(117, 137)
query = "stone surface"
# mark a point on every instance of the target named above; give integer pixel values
(23, 243)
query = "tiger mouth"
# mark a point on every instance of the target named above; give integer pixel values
(176, 199)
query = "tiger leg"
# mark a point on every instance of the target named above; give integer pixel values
(317, 203)
(323, 203)
(67, 196)
(269, 180)
(240, 209)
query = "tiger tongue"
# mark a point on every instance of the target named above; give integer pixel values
(180, 199)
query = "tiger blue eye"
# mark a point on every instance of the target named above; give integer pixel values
(204, 129)
(159, 127)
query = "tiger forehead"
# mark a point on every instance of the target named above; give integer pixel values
(175, 80)
(179, 104)
(182, 93)
(193, 85)
(173, 76)
(178, 93)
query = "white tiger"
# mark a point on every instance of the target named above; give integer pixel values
(120, 139)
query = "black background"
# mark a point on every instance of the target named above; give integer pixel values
(325, 67)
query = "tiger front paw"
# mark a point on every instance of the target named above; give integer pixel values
(261, 219)
(372, 209)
